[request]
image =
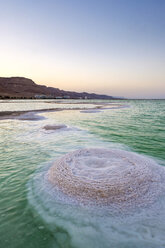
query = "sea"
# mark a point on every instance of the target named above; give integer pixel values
(30, 215)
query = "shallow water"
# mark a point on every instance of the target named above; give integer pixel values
(29, 216)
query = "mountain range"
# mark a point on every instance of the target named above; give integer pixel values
(20, 87)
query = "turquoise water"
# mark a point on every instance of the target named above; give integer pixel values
(26, 148)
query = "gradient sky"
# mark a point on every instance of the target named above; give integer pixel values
(115, 47)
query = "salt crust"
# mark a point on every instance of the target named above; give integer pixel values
(107, 177)
(54, 127)
(31, 116)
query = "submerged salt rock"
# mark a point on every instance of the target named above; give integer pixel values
(90, 111)
(107, 176)
(54, 127)
(31, 117)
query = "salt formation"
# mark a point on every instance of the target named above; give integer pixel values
(101, 198)
(90, 111)
(107, 177)
(31, 116)
(54, 127)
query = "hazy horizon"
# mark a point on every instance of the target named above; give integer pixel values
(106, 47)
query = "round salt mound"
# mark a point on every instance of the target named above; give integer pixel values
(108, 177)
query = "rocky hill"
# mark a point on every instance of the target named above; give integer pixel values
(20, 87)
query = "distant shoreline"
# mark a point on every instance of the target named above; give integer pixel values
(25, 88)
(99, 106)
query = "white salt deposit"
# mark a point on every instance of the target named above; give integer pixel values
(31, 116)
(102, 198)
(54, 127)
(107, 177)
(90, 111)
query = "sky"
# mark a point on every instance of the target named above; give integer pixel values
(115, 47)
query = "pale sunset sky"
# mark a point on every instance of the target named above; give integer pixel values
(115, 47)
